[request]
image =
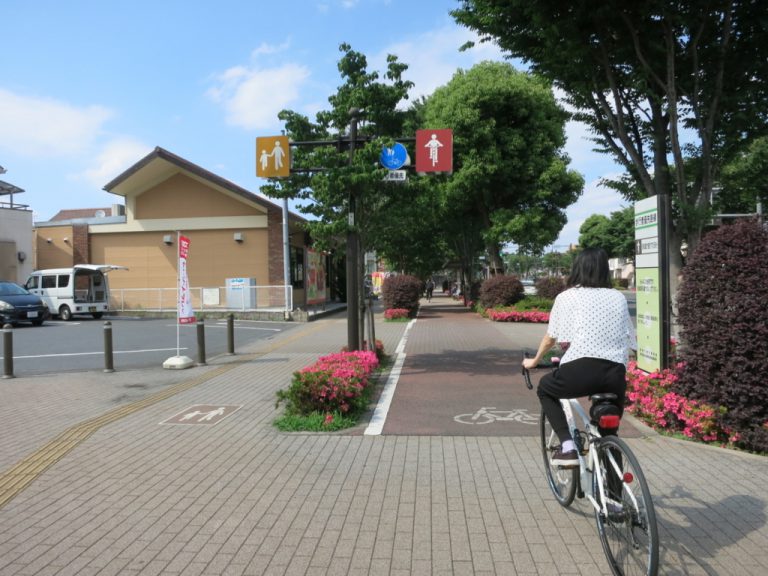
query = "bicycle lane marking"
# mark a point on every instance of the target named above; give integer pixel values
(376, 425)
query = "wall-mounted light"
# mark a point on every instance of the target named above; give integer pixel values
(49, 240)
(21, 256)
(168, 239)
(66, 240)
(239, 236)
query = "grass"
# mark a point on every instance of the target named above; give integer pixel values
(315, 422)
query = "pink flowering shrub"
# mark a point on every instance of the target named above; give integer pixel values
(651, 399)
(396, 314)
(335, 383)
(498, 315)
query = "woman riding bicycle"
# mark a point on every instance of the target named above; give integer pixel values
(594, 319)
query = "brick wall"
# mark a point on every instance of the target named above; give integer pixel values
(275, 249)
(81, 252)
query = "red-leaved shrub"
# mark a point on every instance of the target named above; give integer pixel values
(724, 319)
(501, 291)
(401, 291)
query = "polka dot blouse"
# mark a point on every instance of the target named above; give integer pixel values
(596, 323)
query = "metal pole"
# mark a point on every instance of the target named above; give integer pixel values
(286, 260)
(353, 310)
(665, 214)
(109, 365)
(231, 334)
(7, 351)
(201, 342)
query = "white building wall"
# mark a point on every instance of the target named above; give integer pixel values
(16, 227)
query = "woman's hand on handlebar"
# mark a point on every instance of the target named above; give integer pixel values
(529, 363)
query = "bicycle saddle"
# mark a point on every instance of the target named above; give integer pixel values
(603, 397)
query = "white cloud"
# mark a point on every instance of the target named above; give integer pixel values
(434, 57)
(252, 97)
(38, 127)
(116, 156)
(265, 48)
(596, 199)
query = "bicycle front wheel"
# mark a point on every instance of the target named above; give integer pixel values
(628, 529)
(562, 481)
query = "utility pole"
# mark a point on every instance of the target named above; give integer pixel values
(353, 281)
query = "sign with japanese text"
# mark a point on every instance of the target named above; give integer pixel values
(273, 157)
(647, 283)
(434, 150)
(186, 315)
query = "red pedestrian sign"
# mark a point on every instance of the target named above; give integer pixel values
(434, 150)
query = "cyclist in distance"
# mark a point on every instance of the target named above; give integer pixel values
(593, 319)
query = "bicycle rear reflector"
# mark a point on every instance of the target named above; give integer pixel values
(628, 478)
(609, 421)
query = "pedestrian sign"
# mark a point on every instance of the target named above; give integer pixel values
(434, 150)
(273, 157)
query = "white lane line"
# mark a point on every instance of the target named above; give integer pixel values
(376, 425)
(236, 327)
(96, 353)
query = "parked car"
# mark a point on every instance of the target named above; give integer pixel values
(17, 304)
(529, 287)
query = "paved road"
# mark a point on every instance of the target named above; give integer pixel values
(96, 484)
(78, 345)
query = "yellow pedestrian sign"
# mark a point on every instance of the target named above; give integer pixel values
(273, 157)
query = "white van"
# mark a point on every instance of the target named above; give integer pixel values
(82, 289)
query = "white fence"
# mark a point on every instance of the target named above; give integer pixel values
(246, 298)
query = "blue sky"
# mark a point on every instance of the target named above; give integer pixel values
(88, 87)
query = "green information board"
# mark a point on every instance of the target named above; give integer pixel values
(647, 282)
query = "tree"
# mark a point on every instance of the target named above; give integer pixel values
(745, 180)
(640, 73)
(510, 180)
(615, 235)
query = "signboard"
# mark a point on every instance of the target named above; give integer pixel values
(647, 282)
(273, 157)
(396, 176)
(434, 150)
(315, 277)
(394, 158)
(186, 315)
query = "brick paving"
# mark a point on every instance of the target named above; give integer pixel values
(136, 497)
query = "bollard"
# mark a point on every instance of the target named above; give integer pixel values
(231, 334)
(201, 342)
(108, 362)
(7, 351)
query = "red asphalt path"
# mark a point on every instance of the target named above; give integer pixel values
(462, 377)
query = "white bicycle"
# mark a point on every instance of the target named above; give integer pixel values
(626, 520)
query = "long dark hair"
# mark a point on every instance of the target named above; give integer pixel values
(590, 269)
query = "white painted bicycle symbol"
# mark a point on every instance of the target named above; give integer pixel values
(489, 414)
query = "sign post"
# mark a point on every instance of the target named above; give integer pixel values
(650, 279)
(184, 313)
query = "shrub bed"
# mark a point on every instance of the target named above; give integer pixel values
(334, 386)
(396, 314)
(535, 316)
(401, 292)
(500, 291)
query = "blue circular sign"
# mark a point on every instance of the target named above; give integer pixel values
(394, 158)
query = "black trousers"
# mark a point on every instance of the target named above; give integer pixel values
(575, 379)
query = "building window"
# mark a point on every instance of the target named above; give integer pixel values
(297, 267)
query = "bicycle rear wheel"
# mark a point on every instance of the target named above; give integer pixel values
(628, 532)
(562, 481)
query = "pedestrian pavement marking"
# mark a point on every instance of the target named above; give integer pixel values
(14, 480)
(208, 414)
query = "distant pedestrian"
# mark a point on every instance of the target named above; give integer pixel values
(430, 289)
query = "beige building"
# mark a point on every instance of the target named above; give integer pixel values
(15, 235)
(233, 234)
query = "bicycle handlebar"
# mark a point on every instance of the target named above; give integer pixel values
(527, 374)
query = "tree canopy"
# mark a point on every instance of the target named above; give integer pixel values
(652, 79)
(510, 175)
